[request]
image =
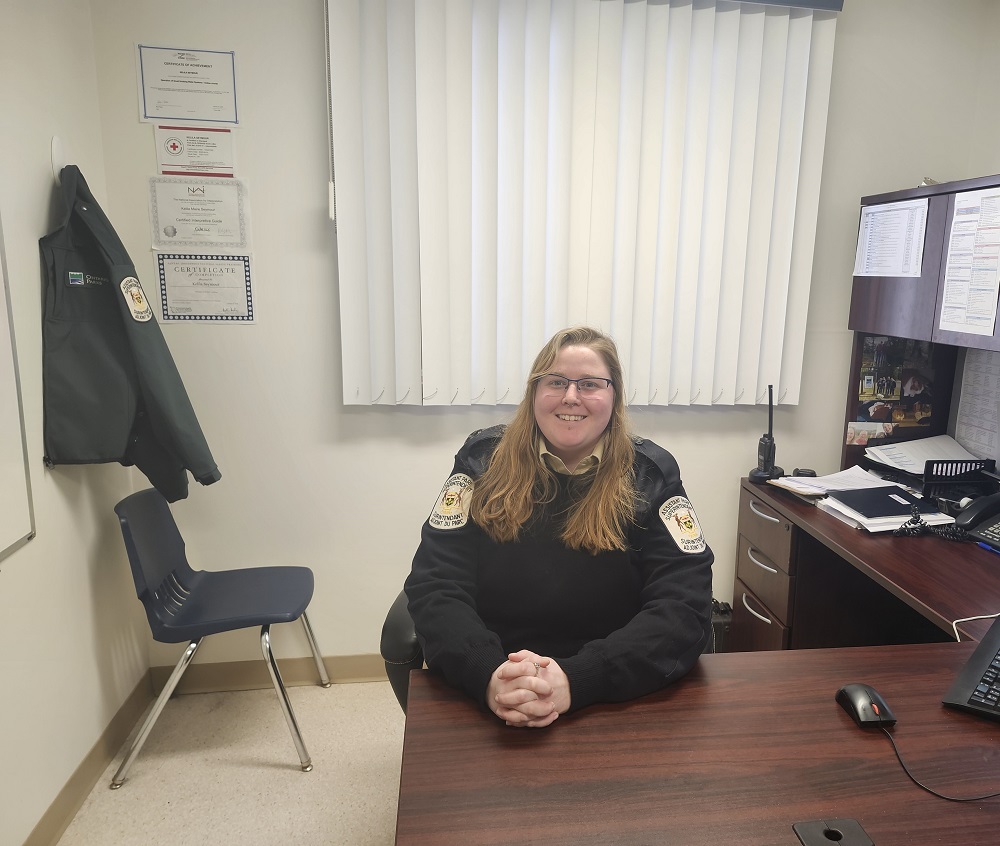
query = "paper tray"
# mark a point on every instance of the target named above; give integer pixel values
(949, 479)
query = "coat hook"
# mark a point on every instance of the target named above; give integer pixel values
(59, 157)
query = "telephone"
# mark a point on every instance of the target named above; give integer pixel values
(981, 519)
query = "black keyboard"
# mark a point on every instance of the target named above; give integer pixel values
(987, 692)
(977, 686)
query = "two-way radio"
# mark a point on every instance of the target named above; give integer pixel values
(766, 468)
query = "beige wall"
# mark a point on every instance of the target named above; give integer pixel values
(72, 645)
(305, 480)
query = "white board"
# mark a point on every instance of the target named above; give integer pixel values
(17, 519)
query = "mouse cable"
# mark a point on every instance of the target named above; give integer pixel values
(954, 623)
(930, 790)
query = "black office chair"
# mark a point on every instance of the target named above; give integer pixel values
(401, 650)
(186, 605)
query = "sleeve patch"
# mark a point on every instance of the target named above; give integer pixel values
(135, 299)
(678, 516)
(451, 511)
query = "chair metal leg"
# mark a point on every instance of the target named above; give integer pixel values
(154, 713)
(286, 706)
(324, 679)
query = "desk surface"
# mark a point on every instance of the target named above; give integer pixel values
(942, 580)
(735, 753)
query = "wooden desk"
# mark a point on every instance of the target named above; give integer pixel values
(735, 753)
(839, 566)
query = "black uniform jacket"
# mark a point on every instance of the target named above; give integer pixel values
(111, 390)
(621, 623)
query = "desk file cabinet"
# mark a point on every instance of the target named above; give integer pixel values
(802, 584)
(763, 597)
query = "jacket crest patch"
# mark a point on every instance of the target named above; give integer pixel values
(451, 511)
(678, 516)
(78, 278)
(135, 299)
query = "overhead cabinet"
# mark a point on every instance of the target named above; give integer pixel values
(911, 306)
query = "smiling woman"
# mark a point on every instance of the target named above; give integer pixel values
(562, 563)
(572, 413)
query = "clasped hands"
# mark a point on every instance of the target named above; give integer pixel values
(528, 690)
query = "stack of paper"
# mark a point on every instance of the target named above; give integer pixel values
(863, 500)
(880, 509)
(910, 456)
(853, 478)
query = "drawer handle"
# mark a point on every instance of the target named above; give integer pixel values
(760, 617)
(759, 563)
(762, 514)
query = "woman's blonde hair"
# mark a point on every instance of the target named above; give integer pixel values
(517, 481)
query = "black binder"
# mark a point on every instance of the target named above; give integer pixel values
(887, 501)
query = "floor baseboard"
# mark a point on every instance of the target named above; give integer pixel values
(253, 675)
(60, 813)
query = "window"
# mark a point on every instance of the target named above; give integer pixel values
(505, 168)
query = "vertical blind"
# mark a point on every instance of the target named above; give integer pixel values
(506, 168)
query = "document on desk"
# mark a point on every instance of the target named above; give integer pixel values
(910, 456)
(852, 479)
(835, 507)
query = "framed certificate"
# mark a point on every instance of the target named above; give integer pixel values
(205, 287)
(186, 85)
(199, 213)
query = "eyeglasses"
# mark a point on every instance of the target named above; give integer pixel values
(553, 383)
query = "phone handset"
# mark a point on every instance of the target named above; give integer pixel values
(982, 509)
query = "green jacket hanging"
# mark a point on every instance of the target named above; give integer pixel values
(111, 391)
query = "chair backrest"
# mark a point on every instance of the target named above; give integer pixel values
(155, 548)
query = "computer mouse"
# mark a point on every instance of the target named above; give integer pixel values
(865, 705)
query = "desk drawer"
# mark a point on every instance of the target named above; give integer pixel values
(766, 579)
(754, 628)
(767, 530)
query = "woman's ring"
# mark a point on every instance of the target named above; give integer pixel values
(537, 667)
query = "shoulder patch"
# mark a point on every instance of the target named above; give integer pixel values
(678, 516)
(135, 299)
(451, 511)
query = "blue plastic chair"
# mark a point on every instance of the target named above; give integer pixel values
(187, 605)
